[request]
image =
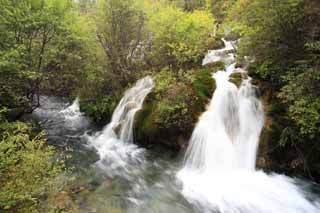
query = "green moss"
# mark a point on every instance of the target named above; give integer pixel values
(203, 84)
(144, 119)
(214, 43)
(172, 108)
(237, 78)
(232, 36)
(215, 66)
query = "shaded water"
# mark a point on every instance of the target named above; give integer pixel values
(111, 174)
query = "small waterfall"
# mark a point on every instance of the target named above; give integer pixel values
(225, 54)
(219, 172)
(53, 112)
(73, 117)
(227, 134)
(118, 154)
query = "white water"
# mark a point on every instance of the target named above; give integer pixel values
(73, 116)
(53, 113)
(219, 171)
(118, 154)
(225, 54)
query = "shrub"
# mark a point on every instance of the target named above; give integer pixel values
(27, 167)
(178, 38)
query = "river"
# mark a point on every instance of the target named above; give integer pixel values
(108, 172)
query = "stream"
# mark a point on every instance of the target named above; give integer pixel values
(127, 179)
(110, 174)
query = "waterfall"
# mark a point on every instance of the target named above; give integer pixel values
(219, 171)
(118, 154)
(73, 117)
(227, 134)
(55, 113)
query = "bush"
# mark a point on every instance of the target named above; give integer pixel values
(27, 167)
(100, 109)
(179, 38)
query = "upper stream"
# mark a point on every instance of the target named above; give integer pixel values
(112, 174)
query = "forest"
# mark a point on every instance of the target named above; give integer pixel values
(96, 50)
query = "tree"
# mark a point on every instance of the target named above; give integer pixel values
(219, 8)
(35, 40)
(120, 31)
(179, 38)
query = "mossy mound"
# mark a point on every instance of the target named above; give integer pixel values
(171, 110)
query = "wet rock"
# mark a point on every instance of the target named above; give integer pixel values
(237, 78)
(117, 127)
(263, 158)
(130, 105)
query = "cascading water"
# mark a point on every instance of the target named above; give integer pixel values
(219, 172)
(54, 113)
(118, 154)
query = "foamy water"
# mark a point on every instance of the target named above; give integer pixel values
(219, 172)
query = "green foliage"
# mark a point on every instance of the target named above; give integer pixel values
(285, 53)
(301, 94)
(270, 33)
(203, 84)
(120, 31)
(174, 105)
(27, 167)
(138, 35)
(178, 38)
(40, 42)
(219, 8)
(100, 110)
(190, 5)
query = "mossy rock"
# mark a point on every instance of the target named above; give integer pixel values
(171, 110)
(232, 36)
(214, 43)
(237, 78)
(263, 159)
(215, 66)
(204, 85)
(240, 62)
